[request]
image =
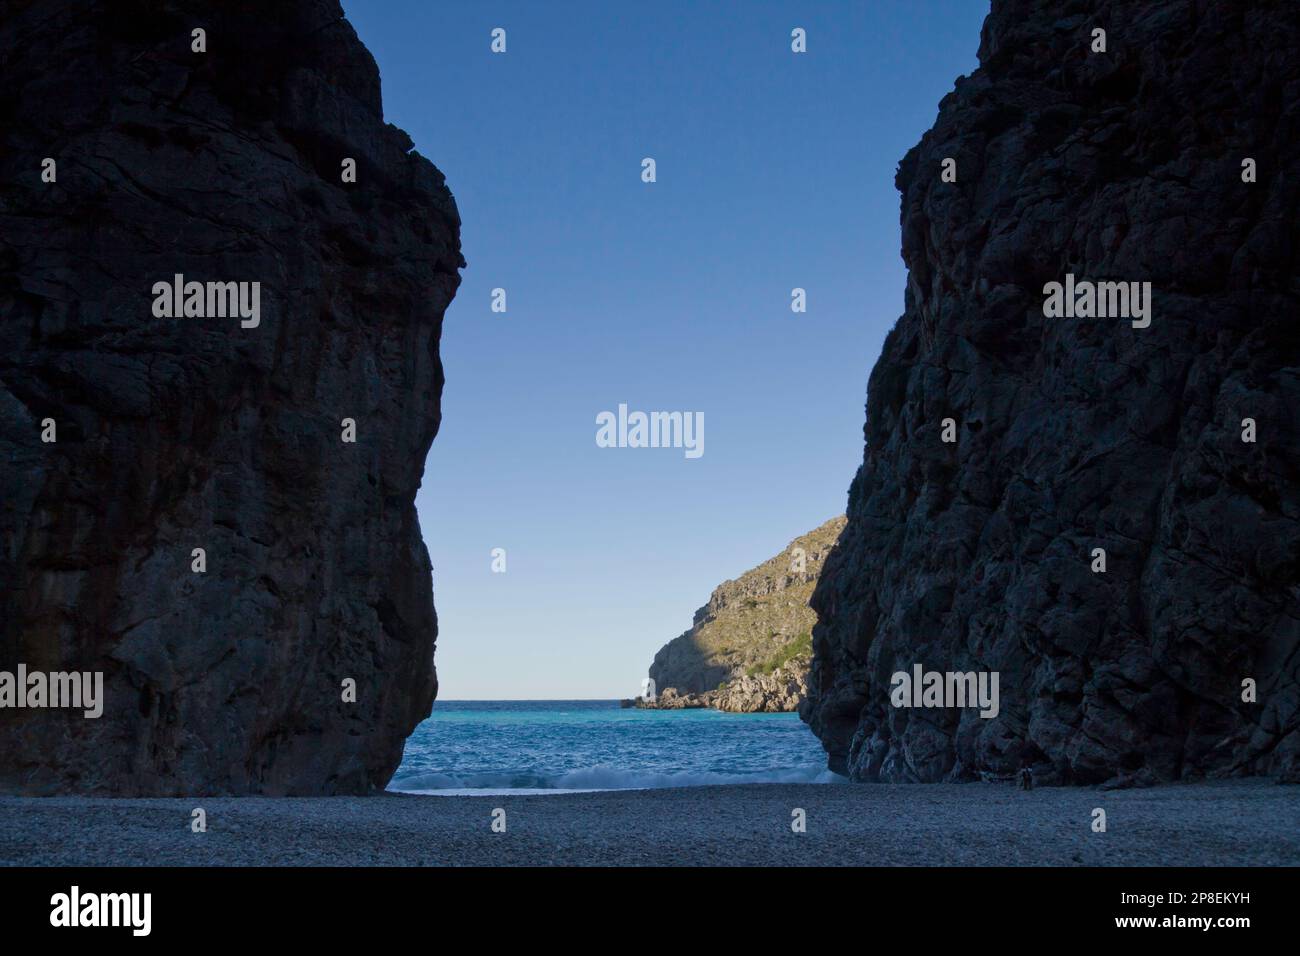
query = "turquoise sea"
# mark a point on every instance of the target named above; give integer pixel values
(556, 746)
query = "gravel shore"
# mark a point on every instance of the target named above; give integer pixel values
(1211, 824)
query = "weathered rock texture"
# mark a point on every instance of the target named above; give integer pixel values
(780, 691)
(749, 647)
(1077, 434)
(176, 434)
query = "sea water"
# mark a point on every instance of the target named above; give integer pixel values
(481, 747)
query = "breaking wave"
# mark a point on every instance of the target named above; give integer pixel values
(594, 778)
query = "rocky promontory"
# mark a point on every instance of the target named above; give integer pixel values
(222, 283)
(749, 648)
(1099, 500)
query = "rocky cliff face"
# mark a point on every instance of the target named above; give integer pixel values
(1076, 434)
(748, 648)
(224, 672)
(778, 692)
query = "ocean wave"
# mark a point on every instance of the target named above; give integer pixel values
(596, 778)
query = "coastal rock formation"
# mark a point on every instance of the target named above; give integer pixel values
(1078, 434)
(781, 691)
(749, 647)
(226, 670)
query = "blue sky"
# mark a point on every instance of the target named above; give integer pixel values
(774, 170)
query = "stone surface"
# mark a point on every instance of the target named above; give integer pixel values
(1224, 823)
(1075, 434)
(184, 433)
(749, 647)
(780, 691)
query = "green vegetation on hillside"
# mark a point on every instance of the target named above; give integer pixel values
(801, 646)
(753, 625)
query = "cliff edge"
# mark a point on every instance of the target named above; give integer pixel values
(222, 283)
(748, 649)
(1099, 506)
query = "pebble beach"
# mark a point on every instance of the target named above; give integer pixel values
(1231, 823)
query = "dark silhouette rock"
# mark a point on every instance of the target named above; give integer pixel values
(198, 432)
(1080, 433)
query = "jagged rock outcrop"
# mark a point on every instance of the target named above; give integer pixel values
(175, 434)
(781, 691)
(1074, 434)
(749, 647)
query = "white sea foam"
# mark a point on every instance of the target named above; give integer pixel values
(592, 779)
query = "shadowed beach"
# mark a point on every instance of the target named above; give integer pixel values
(1235, 823)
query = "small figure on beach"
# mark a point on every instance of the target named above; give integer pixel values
(1026, 778)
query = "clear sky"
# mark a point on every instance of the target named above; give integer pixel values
(774, 170)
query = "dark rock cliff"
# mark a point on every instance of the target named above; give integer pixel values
(1074, 434)
(175, 434)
